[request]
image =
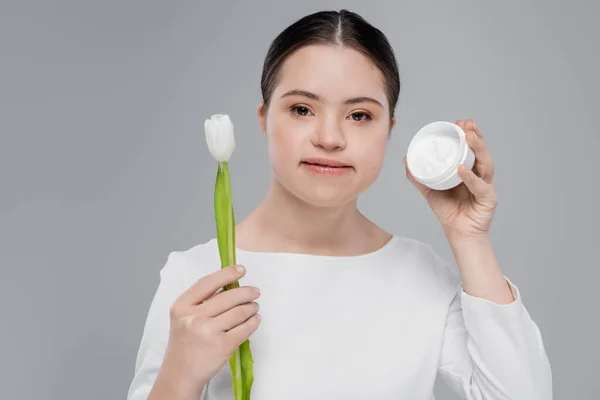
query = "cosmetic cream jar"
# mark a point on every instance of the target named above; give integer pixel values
(435, 152)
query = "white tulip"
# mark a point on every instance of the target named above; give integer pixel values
(219, 136)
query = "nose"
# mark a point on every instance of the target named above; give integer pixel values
(329, 135)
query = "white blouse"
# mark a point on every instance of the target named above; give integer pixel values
(376, 326)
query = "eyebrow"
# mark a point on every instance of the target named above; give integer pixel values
(355, 100)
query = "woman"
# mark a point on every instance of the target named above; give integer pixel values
(348, 310)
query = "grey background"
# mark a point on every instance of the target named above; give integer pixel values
(104, 168)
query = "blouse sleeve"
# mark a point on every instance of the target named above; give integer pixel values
(155, 335)
(494, 351)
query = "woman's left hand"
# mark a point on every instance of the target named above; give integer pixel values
(466, 210)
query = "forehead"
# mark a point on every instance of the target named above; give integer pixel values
(333, 72)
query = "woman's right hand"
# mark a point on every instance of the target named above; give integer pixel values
(208, 325)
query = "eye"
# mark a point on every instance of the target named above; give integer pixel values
(300, 111)
(360, 116)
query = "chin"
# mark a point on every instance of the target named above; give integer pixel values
(324, 195)
(326, 199)
(322, 192)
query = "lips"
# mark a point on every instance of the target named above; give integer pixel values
(324, 162)
(324, 165)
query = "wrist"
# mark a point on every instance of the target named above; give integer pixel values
(461, 240)
(480, 273)
(471, 252)
(172, 383)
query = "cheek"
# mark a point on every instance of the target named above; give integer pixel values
(284, 141)
(371, 157)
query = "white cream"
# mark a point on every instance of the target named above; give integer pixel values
(435, 152)
(434, 155)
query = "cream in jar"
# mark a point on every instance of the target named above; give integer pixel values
(436, 151)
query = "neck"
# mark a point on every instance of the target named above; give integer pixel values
(283, 221)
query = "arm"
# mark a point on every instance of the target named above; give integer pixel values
(492, 348)
(479, 272)
(168, 386)
(155, 378)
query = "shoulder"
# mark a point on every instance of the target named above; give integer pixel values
(194, 262)
(427, 260)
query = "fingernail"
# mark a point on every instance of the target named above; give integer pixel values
(240, 268)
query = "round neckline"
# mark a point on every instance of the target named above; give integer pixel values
(319, 257)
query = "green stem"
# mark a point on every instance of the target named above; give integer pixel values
(241, 360)
(235, 362)
(230, 217)
(236, 359)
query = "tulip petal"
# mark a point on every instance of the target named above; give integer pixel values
(220, 136)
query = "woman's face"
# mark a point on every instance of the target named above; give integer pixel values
(329, 103)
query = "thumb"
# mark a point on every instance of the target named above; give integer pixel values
(424, 190)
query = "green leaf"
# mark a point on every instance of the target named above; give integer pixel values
(247, 368)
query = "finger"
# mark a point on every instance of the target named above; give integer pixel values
(236, 316)
(242, 332)
(484, 167)
(229, 299)
(424, 190)
(471, 126)
(206, 286)
(480, 189)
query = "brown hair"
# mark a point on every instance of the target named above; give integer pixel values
(343, 28)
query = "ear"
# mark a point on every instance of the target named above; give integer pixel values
(262, 118)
